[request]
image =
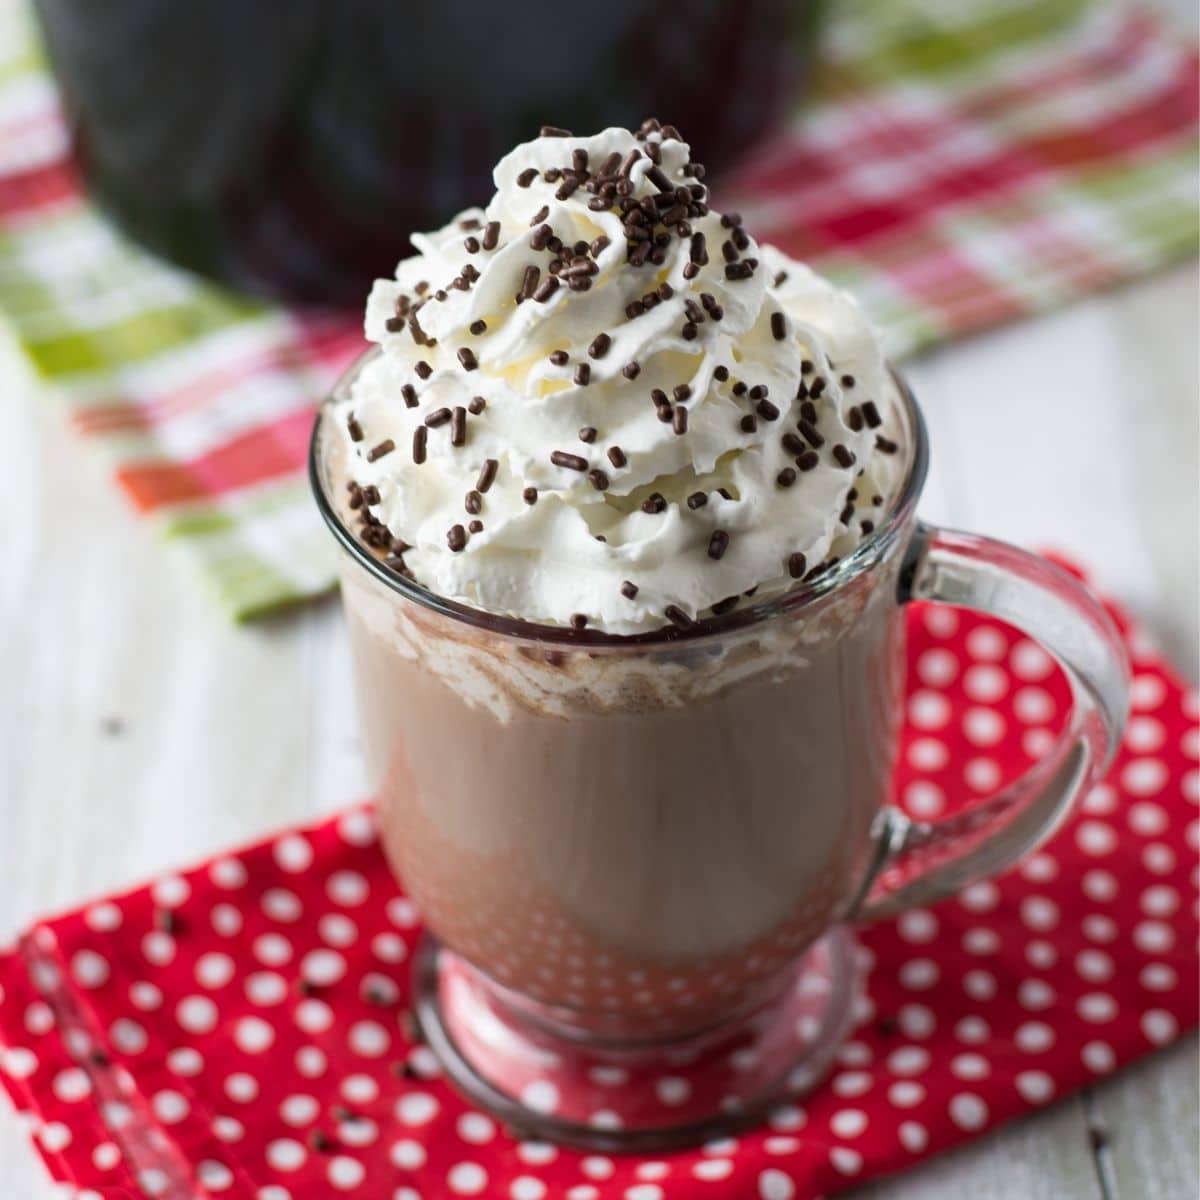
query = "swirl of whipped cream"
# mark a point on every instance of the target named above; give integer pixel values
(599, 403)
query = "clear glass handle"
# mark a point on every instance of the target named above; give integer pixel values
(920, 861)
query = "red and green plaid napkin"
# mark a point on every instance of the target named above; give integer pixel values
(957, 165)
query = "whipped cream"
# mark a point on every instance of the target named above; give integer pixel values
(586, 417)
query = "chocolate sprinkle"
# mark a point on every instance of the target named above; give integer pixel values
(491, 234)
(885, 444)
(808, 460)
(792, 444)
(796, 565)
(458, 427)
(475, 526)
(559, 358)
(767, 410)
(598, 480)
(679, 420)
(579, 621)
(456, 538)
(629, 590)
(487, 474)
(529, 282)
(471, 245)
(473, 502)
(546, 289)
(721, 373)
(541, 237)
(553, 131)
(631, 370)
(600, 345)
(655, 503)
(718, 544)
(847, 381)
(778, 326)
(560, 458)
(384, 447)
(616, 456)
(478, 327)
(439, 416)
(355, 430)
(786, 477)
(583, 375)
(843, 456)
(697, 500)
(420, 436)
(871, 414)
(423, 369)
(466, 356)
(811, 434)
(530, 495)
(587, 434)
(476, 405)
(678, 617)
(748, 424)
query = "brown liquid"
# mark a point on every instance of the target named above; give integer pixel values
(642, 838)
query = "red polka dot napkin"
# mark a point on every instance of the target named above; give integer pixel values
(160, 1044)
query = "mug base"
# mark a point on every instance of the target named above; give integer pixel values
(616, 1097)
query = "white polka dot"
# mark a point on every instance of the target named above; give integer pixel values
(253, 1035)
(968, 1111)
(1041, 955)
(282, 905)
(849, 1084)
(973, 1030)
(1144, 735)
(775, 1185)
(1149, 820)
(272, 949)
(103, 917)
(537, 1154)
(605, 1076)
(389, 947)
(540, 1095)
(357, 828)
(1100, 886)
(1037, 742)
(105, 1156)
(985, 684)
(158, 947)
(906, 1093)
(416, 1108)
(1098, 1057)
(924, 799)
(169, 1106)
(712, 1169)
(407, 1154)
(970, 1067)
(928, 754)
(337, 929)
(1101, 800)
(1035, 1086)
(369, 1039)
(848, 1122)
(241, 1087)
(787, 1118)
(226, 920)
(228, 873)
(983, 726)
(775, 1145)
(596, 1166)
(980, 897)
(311, 1062)
(1033, 995)
(299, 1109)
(72, 1085)
(1034, 705)
(467, 1179)
(652, 1170)
(1096, 838)
(265, 988)
(1158, 859)
(475, 1128)
(360, 1089)
(214, 1176)
(128, 1036)
(185, 1061)
(913, 1136)
(942, 622)
(981, 941)
(1146, 691)
(171, 891)
(1029, 661)
(322, 968)
(982, 774)
(272, 1192)
(1153, 937)
(1039, 868)
(54, 1136)
(1191, 787)
(293, 853)
(347, 888)
(1034, 1037)
(313, 1016)
(214, 970)
(908, 1060)
(89, 969)
(145, 996)
(917, 925)
(1159, 1026)
(1039, 913)
(582, 1191)
(345, 1172)
(153, 1181)
(228, 1129)
(284, 1154)
(916, 1021)
(928, 710)
(919, 974)
(525, 1187)
(379, 990)
(1158, 977)
(987, 644)
(1159, 900)
(845, 1161)
(1099, 928)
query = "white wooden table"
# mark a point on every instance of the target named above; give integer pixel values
(140, 729)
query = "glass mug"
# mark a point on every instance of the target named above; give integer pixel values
(637, 858)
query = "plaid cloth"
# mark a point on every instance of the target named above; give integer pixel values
(957, 165)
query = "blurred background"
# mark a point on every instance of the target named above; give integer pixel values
(195, 197)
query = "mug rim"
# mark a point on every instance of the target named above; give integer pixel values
(871, 550)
